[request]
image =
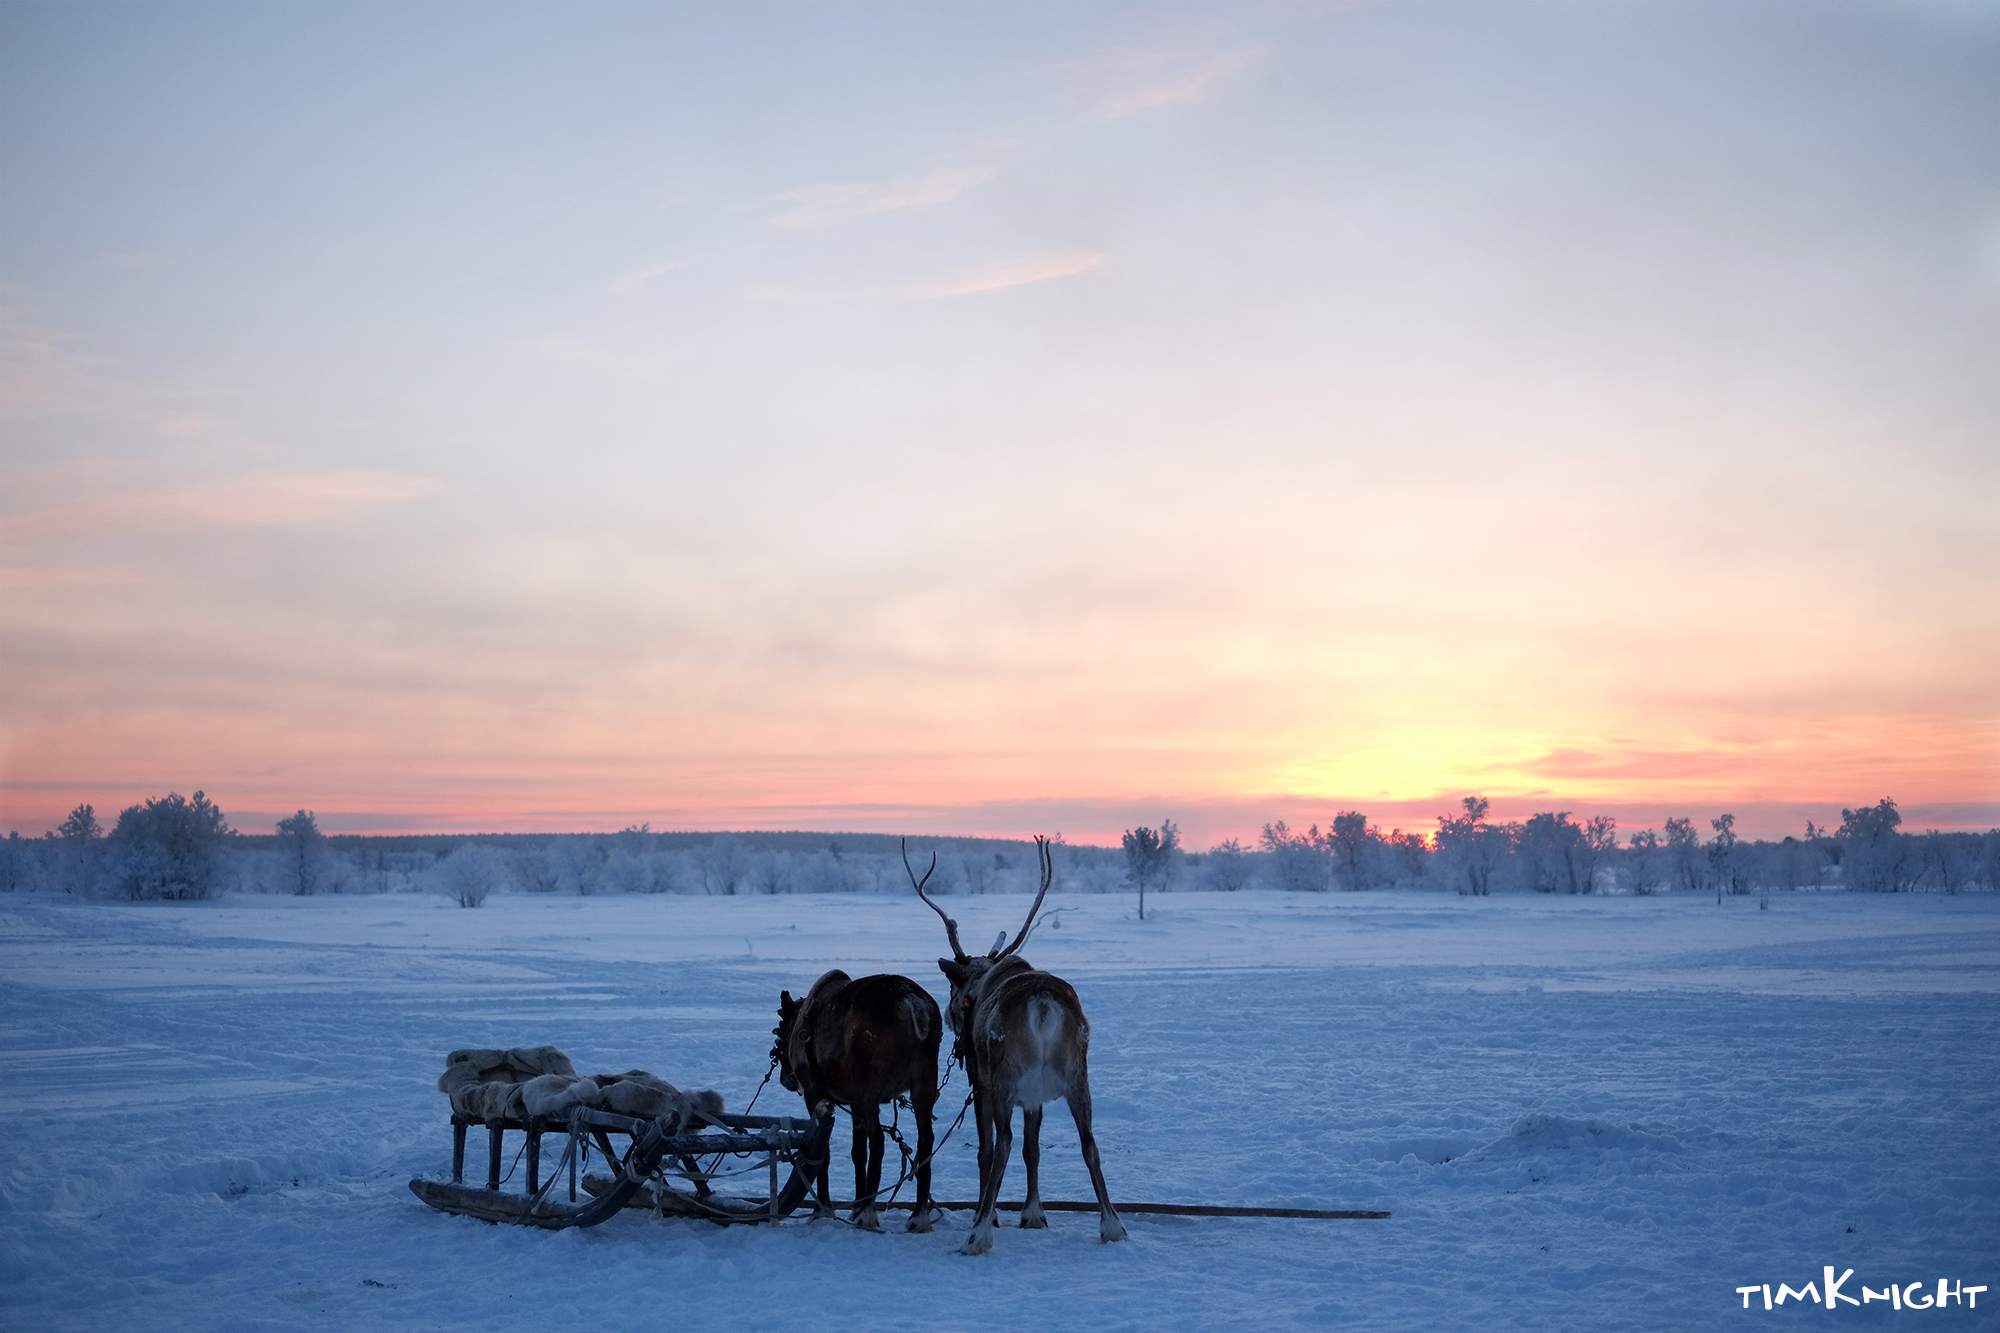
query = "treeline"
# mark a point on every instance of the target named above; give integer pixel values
(1552, 852)
(177, 848)
(183, 849)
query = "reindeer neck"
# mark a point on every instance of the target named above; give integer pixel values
(1011, 966)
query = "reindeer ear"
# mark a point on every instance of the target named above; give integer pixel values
(786, 1004)
(954, 971)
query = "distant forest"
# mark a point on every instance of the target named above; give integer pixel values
(175, 847)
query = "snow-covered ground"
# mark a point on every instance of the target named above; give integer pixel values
(1584, 1113)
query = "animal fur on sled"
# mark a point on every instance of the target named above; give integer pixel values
(540, 1081)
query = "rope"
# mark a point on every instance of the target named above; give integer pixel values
(517, 1159)
(760, 1087)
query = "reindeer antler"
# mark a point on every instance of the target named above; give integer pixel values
(950, 926)
(1048, 876)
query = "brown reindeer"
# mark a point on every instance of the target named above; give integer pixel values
(1025, 1042)
(859, 1044)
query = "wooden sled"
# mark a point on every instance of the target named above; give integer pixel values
(657, 1153)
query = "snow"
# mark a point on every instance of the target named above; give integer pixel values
(1584, 1113)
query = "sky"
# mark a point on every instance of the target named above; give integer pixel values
(999, 418)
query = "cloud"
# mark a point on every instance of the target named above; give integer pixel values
(971, 282)
(1183, 88)
(1017, 273)
(265, 500)
(832, 205)
(632, 280)
(1134, 83)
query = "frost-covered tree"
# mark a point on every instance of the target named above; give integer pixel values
(1950, 861)
(305, 852)
(1470, 848)
(168, 848)
(82, 840)
(1351, 843)
(1300, 860)
(1723, 858)
(725, 866)
(1545, 849)
(1226, 867)
(1877, 856)
(1408, 856)
(1149, 857)
(1642, 850)
(13, 862)
(1797, 862)
(1599, 840)
(470, 874)
(1684, 853)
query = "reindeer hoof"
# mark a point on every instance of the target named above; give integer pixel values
(920, 1221)
(1111, 1233)
(1034, 1219)
(868, 1221)
(977, 1243)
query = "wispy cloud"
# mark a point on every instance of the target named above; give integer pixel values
(971, 282)
(1133, 82)
(630, 281)
(831, 205)
(260, 500)
(1016, 273)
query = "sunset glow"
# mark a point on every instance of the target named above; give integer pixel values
(1001, 419)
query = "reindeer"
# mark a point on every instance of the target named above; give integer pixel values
(859, 1044)
(1025, 1042)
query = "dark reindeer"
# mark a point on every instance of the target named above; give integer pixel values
(1025, 1042)
(859, 1044)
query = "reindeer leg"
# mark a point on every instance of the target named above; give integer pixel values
(1109, 1228)
(920, 1219)
(1032, 1215)
(824, 1208)
(867, 1164)
(1001, 1115)
(981, 1239)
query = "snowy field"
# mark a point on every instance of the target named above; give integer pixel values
(1584, 1113)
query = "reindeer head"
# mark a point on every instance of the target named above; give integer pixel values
(962, 970)
(781, 1049)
